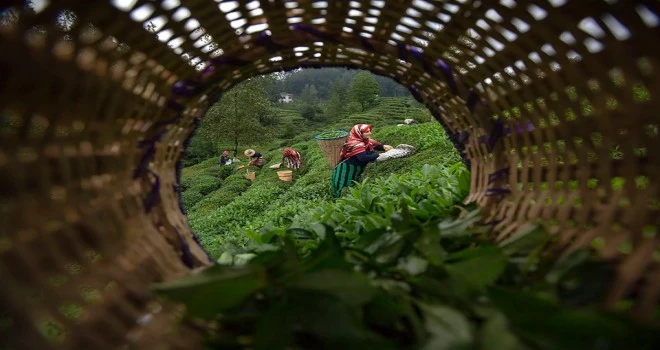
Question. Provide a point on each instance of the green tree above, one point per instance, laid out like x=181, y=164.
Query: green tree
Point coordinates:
x=238, y=116
x=310, y=95
x=336, y=106
x=364, y=89
x=309, y=108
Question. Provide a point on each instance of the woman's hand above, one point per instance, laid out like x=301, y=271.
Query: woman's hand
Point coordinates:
x=387, y=147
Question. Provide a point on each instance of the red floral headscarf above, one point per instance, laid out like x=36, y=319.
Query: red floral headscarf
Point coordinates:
x=291, y=154
x=356, y=143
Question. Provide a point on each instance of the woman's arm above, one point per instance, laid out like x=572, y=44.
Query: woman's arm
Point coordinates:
x=366, y=157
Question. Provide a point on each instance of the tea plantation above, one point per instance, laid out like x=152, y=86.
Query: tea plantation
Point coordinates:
x=398, y=262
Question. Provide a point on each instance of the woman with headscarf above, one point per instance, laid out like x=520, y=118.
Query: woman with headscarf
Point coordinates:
x=357, y=152
x=224, y=158
x=292, y=158
x=256, y=158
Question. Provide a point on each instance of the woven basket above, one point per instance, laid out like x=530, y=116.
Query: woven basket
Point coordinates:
x=548, y=102
x=331, y=148
x=285, y=175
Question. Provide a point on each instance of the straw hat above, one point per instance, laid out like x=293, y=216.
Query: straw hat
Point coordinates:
x=249, y=152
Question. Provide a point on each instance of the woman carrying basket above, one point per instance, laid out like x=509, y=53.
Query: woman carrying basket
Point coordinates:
x=357, y=152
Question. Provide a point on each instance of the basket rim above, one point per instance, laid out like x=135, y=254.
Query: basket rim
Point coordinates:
x=344, y=134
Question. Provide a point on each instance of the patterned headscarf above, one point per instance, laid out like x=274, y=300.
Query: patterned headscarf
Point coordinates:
x=225, y=153
x=291, y=154
x=356, y=143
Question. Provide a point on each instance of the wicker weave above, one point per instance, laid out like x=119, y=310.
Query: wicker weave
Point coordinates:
x=331, y=149
x=549, y=100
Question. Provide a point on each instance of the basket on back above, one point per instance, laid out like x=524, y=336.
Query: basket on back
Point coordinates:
x=331, y=144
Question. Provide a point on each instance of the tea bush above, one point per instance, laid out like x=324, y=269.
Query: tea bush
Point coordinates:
x=397, y=264
x=205, y=184
x=191, y=197
x=221, y=172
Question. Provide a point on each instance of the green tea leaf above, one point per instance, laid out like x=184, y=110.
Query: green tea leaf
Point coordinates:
x=528, y=238
x=390, y=250
x=274, y=329
x=459, y=227
x=449, y=329
x=226, y=259
x=496, y=335
x=479, y=267
x=549, y=326
x=351, y=287
x=330, y=323
x=215, y=289
x=329, y=255
x=242, y=259
x=413, y=265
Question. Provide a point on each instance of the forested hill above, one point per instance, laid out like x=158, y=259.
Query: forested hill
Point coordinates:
x=323, y=80
x=252, y=114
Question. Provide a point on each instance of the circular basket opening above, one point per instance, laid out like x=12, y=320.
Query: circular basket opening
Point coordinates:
x=331, y=135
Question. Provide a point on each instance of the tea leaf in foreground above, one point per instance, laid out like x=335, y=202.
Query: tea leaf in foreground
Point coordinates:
x=449, y=329
x=479, y=267
x=215, y=289
x=351, y=287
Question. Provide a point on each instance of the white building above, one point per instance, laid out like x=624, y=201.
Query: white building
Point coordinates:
x=286, y=97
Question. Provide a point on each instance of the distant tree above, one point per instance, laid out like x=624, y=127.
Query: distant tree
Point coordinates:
x=390, y=88
x=353, y=107
x=272, y=86
x=311, y=112
x=238, y=116
x=336, y=106
x=310, y=95
x=199, y=150
x=296, y=80
x=364, y=89
x=309, y=104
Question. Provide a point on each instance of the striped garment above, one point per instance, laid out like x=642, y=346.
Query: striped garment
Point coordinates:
x=293, y=163
x=292, y=158
x=344, y=175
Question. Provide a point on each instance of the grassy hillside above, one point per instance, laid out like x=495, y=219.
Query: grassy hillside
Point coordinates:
x=387, y=111
x=390, y=111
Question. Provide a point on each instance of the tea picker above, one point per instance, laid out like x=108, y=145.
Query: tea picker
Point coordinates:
x=356, y=153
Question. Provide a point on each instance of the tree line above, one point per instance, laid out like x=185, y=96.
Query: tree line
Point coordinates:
x=323, y=80
x=250, y=110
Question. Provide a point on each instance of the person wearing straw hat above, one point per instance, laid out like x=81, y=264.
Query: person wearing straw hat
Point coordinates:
x=256, y=158
x=356, y=154
x=292, y=157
